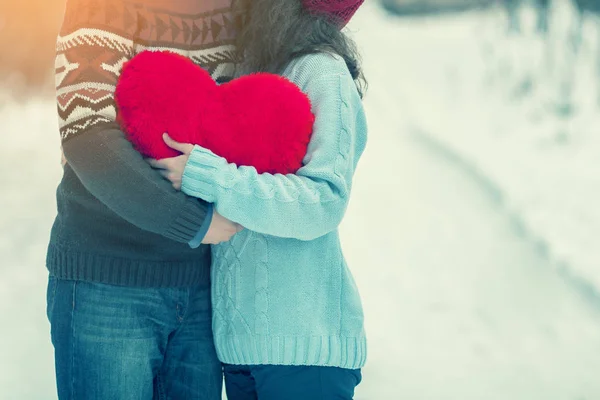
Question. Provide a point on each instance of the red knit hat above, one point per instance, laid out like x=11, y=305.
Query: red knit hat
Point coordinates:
x=340, y=10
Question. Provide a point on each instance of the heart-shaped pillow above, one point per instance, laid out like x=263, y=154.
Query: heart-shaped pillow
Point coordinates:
x=260, y=120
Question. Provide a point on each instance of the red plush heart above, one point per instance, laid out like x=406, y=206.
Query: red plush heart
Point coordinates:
x=260, y=120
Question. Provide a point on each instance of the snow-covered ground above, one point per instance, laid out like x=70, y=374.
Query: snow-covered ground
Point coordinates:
x=503, y=107
x=470, y=231
x=29, y=173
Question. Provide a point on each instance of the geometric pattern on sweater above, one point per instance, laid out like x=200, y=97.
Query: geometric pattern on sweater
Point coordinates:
x=99, y=36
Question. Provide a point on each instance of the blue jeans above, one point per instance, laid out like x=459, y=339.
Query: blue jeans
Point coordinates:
x=277, y=382
x=126, y=343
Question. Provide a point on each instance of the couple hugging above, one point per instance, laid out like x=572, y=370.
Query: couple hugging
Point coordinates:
x=167, y=275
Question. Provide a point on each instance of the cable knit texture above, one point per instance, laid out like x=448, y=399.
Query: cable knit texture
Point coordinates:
x=282, y=292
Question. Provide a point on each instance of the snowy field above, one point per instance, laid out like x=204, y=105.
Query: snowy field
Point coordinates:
x=529, y=128
x=471, y=230
x=518, y=113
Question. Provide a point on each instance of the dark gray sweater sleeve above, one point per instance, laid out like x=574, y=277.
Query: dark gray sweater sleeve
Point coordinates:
x=116, y=174
x=90, y=52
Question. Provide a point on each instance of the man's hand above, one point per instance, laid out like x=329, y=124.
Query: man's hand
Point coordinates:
x=172, y=168
x=221, y=229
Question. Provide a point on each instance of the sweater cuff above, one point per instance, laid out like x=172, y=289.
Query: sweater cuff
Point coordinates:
x=197, y=240
x=186, y=226
x=200, y=174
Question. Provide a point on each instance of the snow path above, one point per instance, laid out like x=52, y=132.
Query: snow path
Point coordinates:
x=492, y=103
x=458, y=304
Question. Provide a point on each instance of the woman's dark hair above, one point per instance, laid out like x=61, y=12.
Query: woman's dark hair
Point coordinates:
x=272, y=33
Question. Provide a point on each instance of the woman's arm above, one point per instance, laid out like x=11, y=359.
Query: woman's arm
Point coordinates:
x=304, y=206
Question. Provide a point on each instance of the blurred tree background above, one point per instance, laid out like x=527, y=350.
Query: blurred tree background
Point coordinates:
x=429, y=7
x=28, y=32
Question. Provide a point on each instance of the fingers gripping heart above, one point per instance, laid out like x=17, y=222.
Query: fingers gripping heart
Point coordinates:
x=260, y=120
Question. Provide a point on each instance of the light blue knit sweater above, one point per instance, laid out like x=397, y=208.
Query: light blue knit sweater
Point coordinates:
x=282, y=292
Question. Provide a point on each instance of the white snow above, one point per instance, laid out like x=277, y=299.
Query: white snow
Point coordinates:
x=474, y=102
x=29, y=175
x=470, y=232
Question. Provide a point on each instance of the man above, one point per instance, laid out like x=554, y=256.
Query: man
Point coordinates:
x=128, y=294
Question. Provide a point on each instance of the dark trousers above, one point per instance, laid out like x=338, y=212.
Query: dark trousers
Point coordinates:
x=276, y=382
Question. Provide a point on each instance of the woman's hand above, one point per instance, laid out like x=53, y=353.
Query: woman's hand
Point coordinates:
x=172, y=168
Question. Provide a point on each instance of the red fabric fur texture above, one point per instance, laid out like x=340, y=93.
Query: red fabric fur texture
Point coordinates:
x=260, y=120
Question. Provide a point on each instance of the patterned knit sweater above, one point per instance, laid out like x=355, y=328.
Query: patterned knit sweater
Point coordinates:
x=114, y=211
x=282, y=292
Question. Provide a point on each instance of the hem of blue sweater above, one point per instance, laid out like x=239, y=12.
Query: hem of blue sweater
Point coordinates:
x=325, y=351
x=88, y=267
x=197, y=240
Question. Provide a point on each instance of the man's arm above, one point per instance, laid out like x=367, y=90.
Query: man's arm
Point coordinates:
x=117, y=175
x=91, y=49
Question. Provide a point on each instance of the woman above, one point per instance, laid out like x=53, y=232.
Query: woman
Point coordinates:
x=287, y=317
